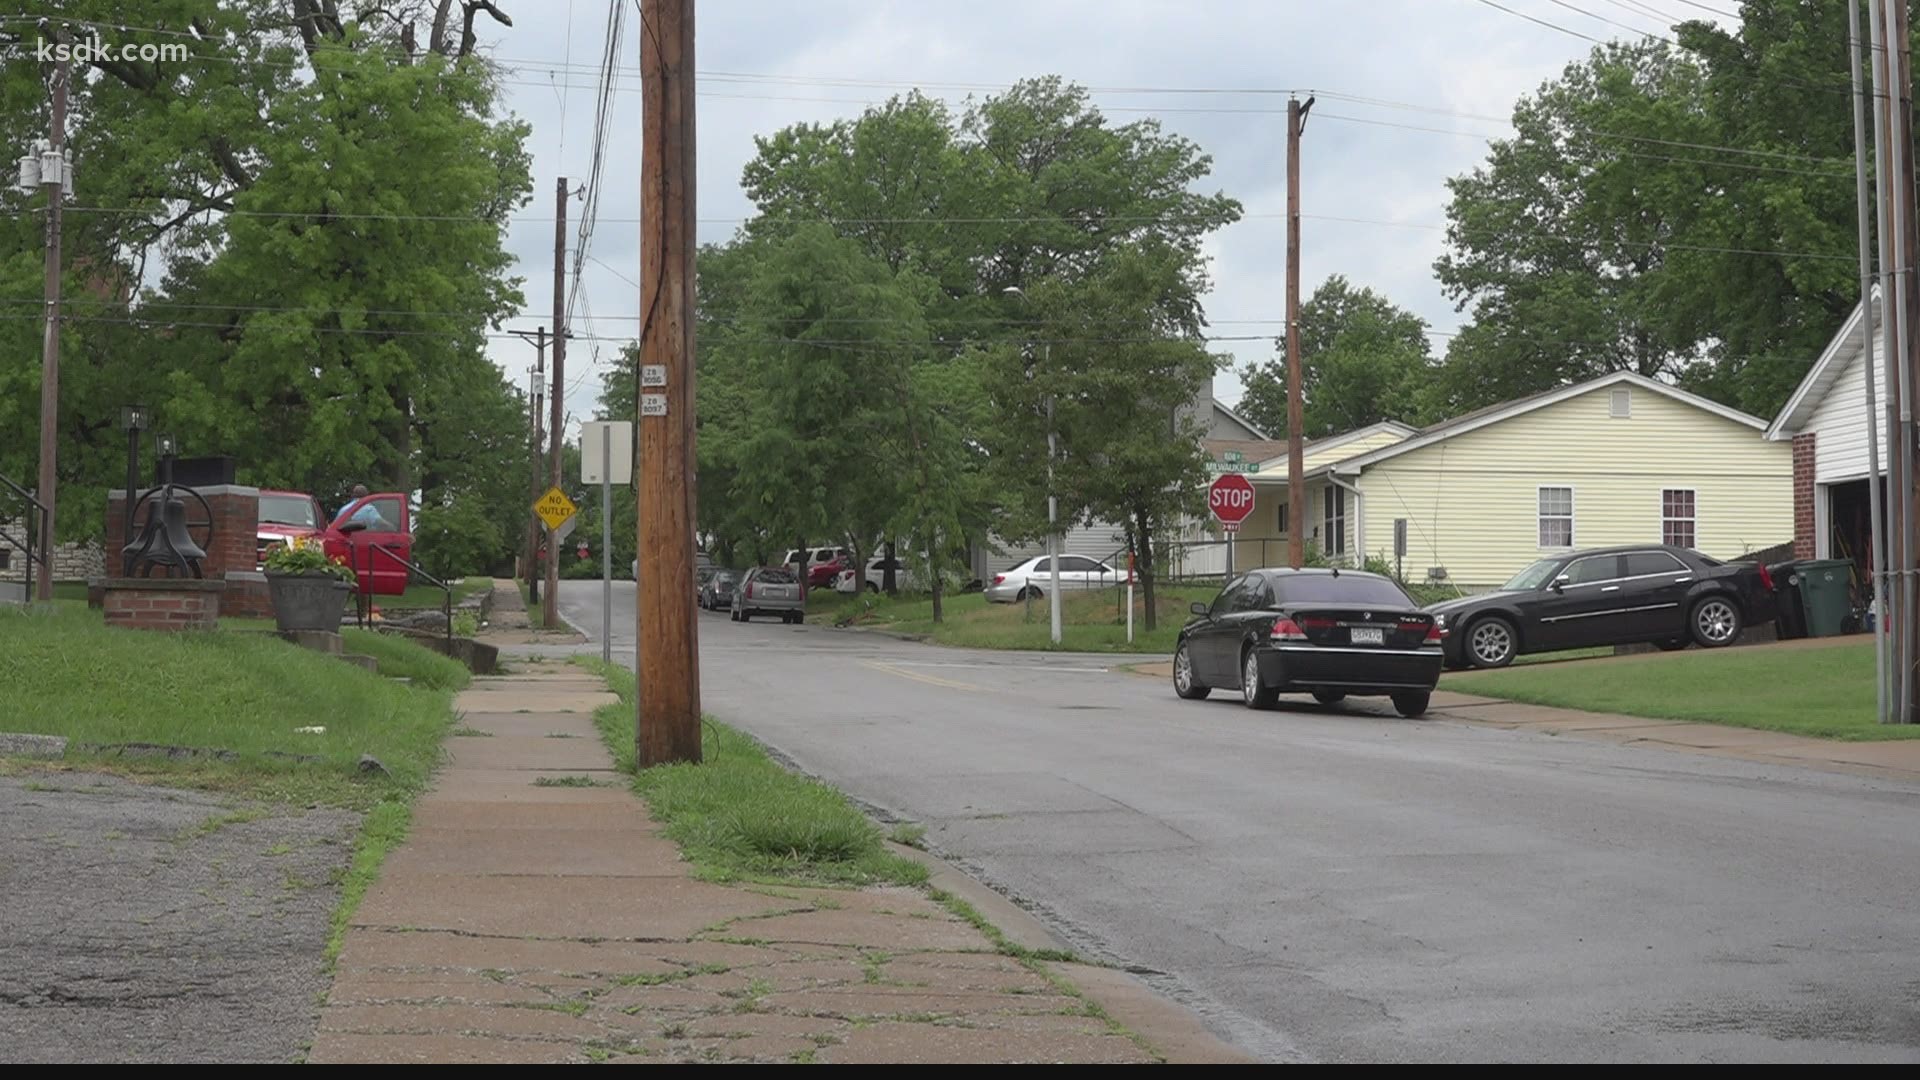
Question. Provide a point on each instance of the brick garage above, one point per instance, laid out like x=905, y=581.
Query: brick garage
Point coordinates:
x=1805, y=516
x=165, y=604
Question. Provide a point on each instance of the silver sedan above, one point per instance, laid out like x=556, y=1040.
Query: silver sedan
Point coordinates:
x=1035, y=578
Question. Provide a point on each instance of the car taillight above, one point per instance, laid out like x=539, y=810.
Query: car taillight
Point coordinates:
x=999, y=578
x=1434, y=633
x=1285, y=629
x=1766, y=578
x=749, y=590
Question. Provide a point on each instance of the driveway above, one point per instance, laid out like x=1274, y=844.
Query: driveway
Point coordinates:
x=1346, y=886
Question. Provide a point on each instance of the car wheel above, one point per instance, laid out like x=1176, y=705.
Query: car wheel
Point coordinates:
x=1490, y=643
x=1412, y=704
x=1185, y=683
x=1329, y=697
x=1715, y=622
x=1672, y=644
x=745, y=617
x=1028, y=593
x=1256, y=695
x=872, y=588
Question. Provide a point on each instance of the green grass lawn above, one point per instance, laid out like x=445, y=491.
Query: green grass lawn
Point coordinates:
x=430, y=597
x=1092, y=621
x=63, y=672
x=1822, y=691
x=403, y=659
x=740, y=815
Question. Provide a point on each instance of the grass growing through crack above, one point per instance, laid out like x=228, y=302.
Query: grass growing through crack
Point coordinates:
x=739, y=814
x=1000, y=940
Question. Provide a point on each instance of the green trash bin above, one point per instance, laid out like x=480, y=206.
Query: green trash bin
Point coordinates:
x=1826, y=591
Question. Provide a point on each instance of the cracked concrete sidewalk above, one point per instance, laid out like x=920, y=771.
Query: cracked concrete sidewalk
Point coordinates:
x=532, y=916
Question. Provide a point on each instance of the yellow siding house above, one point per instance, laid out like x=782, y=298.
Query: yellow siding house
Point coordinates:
x=1620, y=459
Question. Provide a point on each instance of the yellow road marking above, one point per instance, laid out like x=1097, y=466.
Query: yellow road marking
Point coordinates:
x=930, y=680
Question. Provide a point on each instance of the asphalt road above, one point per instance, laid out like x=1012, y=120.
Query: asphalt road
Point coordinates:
x=1340, y=886
x=154, y=925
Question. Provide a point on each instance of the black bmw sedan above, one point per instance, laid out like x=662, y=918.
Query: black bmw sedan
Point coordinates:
x=1668, y=596
x=1330, y=633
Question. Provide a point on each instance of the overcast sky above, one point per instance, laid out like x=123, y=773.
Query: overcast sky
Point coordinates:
x=1454, y=66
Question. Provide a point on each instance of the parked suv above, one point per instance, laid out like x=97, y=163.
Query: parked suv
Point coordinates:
x=823, y=564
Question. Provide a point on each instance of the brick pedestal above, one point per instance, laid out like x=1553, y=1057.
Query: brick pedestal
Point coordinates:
x=231, y=549
x=169, y=604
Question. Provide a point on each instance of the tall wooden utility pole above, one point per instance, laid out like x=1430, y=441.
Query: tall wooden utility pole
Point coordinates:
x=1857, y=53
x=557, y=393
x=536, y=400
x=1296, y=481
x=668, y=647
x=1893, y=603
x=54, y=183
x=1906, y=219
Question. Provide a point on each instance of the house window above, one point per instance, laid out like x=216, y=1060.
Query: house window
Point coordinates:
x=1334, y=530
x=1677, y=519
x=1282, y=520
x=1620, y=405
x=1556, y=517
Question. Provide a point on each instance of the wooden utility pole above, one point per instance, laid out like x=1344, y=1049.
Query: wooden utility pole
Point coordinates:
x=54, y=184
x=1906, y=218
x=1296, y=481
x=536, y=400
x=668, y=648
x=557, y=393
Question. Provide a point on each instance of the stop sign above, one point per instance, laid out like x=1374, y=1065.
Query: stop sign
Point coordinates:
x=1231, y=499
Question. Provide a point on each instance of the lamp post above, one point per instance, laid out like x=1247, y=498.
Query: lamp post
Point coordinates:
x=1053, y=501
x=134, y=419
x=165, y=446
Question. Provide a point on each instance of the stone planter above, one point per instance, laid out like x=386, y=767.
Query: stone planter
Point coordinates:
x=308, y=601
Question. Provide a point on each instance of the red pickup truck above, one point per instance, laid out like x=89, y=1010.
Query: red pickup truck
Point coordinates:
x=357, y=532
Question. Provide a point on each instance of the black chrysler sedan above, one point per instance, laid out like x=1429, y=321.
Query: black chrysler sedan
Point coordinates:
x=1668, y=596
x=1330, y=633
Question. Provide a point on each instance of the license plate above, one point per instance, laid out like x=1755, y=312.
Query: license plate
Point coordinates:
x=1368, y=635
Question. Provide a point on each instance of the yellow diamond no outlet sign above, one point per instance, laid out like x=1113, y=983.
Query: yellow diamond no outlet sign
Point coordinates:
x=555, y=508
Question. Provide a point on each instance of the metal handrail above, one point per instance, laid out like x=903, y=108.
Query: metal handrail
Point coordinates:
x=362, y=611
x=36, y=515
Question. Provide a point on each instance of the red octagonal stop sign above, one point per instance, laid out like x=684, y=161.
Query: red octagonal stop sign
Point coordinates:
x=1230, y=498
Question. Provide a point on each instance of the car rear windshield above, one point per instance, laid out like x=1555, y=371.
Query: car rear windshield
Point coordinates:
x=775, y=576
x=1347, y=589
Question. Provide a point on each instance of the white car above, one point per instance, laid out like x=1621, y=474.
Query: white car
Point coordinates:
x=877, y=577
x=1035, y=577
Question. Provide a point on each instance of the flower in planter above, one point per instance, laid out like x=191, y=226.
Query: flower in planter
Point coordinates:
x=304, y=556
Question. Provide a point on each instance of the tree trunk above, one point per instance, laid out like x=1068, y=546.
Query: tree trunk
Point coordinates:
x=933, y=573
x=889, y=580
x=1143, y=561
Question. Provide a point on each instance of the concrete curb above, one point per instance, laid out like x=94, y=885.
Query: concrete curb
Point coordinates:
x=1170, y=1029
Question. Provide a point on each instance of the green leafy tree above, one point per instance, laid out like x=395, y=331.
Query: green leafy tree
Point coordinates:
x=1685, y=212
x=302, y=251
x=1362, y=360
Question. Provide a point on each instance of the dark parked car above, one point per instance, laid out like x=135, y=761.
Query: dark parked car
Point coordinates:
x=1324, y=632
x=1668, y=596
x=716, y=592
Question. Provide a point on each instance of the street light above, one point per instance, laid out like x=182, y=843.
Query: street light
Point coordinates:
x=1053, y=502
x=134, y=419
